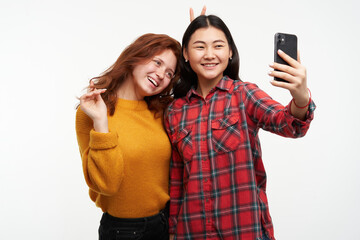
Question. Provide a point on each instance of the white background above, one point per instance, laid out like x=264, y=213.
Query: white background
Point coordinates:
x=50, y=49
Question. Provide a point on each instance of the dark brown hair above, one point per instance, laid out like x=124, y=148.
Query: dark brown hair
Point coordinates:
x=140, y=51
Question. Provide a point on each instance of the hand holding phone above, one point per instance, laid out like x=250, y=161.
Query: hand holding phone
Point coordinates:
x=289, y=73
x=288, y=44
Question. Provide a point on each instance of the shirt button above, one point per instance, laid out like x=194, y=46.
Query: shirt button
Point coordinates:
x=208, y=220
x=207, y=200
x=203, y=139
x=205, y=180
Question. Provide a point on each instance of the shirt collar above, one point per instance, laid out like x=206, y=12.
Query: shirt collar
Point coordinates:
x=224, y=84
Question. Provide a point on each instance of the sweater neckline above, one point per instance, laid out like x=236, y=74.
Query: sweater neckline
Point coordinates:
x=138, y=105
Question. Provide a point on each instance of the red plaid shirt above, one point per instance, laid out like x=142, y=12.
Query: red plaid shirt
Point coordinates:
x=217, y=177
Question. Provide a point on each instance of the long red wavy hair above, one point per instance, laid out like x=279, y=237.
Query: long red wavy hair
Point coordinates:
x=140, y=51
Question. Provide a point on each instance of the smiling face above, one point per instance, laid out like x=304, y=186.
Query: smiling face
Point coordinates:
x=150, y=78
x=208, y=53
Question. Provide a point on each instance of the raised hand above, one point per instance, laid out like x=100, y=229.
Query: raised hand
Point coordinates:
x=295, y=75
x=94, y=106
x=203, y=11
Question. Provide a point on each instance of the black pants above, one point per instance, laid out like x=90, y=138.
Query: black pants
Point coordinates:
x=148, y=228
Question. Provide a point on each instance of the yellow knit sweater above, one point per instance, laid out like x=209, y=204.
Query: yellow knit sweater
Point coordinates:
x=127, y=169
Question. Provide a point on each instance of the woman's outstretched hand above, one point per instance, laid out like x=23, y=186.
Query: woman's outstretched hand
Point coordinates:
x=94, y=106
x=295, y=75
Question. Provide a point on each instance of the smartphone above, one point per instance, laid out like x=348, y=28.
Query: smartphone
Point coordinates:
x=288, y=44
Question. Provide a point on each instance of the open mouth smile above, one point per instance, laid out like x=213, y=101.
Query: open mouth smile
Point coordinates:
x=153, y=81
x=209, y=64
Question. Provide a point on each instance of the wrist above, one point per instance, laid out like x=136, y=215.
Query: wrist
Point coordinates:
x=101, y=126
x=303, y=102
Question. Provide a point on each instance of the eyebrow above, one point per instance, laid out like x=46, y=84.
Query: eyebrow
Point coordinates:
x=216, y=41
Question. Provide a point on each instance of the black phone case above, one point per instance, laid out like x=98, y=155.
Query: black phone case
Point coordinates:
x=288, y=44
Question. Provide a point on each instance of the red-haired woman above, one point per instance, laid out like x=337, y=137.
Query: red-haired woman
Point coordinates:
x=124, y=148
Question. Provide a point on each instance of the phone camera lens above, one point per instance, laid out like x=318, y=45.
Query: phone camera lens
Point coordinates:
x=282, y=39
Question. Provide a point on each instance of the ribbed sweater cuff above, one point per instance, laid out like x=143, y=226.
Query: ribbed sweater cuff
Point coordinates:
x=101, y=141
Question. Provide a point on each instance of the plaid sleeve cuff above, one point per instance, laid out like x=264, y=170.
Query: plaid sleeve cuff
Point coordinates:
x=300, y=127
x=309, y=115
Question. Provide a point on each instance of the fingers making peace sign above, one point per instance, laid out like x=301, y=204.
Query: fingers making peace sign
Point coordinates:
x=203, y=11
